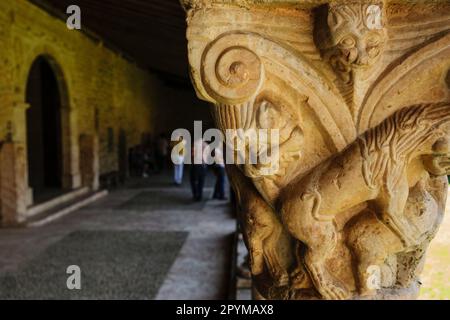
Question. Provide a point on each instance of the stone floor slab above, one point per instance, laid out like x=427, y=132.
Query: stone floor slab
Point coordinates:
x=113, y=264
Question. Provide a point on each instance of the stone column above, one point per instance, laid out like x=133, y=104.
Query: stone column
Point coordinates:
x=16, y=195
x=71, y=178
x=89, y=161
x=358, y=94
x=14, y=190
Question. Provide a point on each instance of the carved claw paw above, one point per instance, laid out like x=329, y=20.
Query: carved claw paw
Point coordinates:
x=300, y=279
x=281, y=279
x=407, y=238
x=256, y=262
x=330, y=288
x=333, y=291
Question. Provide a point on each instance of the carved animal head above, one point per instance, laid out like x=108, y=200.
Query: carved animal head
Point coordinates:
x=410, y=133
x=279, y=124
x=269, y=117
x=356, y=37
x=438, y=163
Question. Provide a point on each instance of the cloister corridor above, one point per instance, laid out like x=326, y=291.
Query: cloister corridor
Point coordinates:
x=147, y=240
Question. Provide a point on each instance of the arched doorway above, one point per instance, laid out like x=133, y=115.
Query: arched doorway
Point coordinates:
x=44, y=131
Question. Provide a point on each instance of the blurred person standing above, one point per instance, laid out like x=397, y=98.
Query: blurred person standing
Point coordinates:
x=178, y=161
x=219, y=171
x=198, y=169
x=162, y=150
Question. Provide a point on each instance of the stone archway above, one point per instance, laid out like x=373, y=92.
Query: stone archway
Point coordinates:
x=48, y=130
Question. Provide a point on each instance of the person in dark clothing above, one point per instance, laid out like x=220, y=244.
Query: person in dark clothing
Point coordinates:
x=138, y=161
x=219, y=188
x=161, y=151
x=219, y=170
x=197, y=171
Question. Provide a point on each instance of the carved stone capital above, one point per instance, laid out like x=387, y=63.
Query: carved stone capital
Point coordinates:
x=359, y=93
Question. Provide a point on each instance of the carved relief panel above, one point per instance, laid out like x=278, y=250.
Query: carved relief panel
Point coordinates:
x=358, y=94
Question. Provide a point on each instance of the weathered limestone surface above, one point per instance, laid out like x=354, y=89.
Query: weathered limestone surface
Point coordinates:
x=359, y=91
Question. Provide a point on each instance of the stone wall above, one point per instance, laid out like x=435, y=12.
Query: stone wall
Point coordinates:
x=91, y=73
x=103, y=95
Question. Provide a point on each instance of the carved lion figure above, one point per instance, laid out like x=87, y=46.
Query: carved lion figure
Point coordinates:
x=264, y=234
x=373, y=243
x=373, y=171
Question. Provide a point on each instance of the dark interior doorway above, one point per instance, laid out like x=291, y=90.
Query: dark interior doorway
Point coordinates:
x=44, y=132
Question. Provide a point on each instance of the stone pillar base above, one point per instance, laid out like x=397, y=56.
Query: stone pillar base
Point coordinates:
x=14, y=190
x=89, y=161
